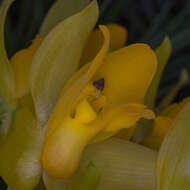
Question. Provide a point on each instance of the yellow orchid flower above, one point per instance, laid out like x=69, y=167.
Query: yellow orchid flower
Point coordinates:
x=89, y=106
x=64, y=97
x=108, y=92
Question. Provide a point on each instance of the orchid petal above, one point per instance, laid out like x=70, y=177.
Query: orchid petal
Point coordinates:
x=58, y=57
x=173, y=159
x=128, y=73
x=61, y=10
x=118, y=36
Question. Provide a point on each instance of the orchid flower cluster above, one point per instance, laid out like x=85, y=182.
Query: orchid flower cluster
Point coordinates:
x=78, y=109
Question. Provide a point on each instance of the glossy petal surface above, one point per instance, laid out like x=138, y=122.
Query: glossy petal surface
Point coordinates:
x=128, y=73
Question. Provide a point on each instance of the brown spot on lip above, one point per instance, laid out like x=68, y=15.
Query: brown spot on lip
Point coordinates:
x=99, y=84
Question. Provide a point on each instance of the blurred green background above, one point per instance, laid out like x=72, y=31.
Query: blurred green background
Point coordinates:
x=146, y=20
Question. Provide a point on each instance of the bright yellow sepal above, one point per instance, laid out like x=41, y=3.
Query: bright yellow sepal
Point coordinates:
x=21, y=63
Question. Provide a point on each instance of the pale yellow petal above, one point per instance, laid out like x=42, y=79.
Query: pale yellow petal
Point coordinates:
x=61, y=10
x=58, y=57
x=173, y=159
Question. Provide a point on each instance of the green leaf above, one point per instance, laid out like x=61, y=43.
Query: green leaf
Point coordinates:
x=7, y=88
x=60, y=10
x=163, y=53
x=20, y=152
x=173, y=172
x=58, y=58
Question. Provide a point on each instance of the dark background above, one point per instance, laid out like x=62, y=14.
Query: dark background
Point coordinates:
x=146, y=20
